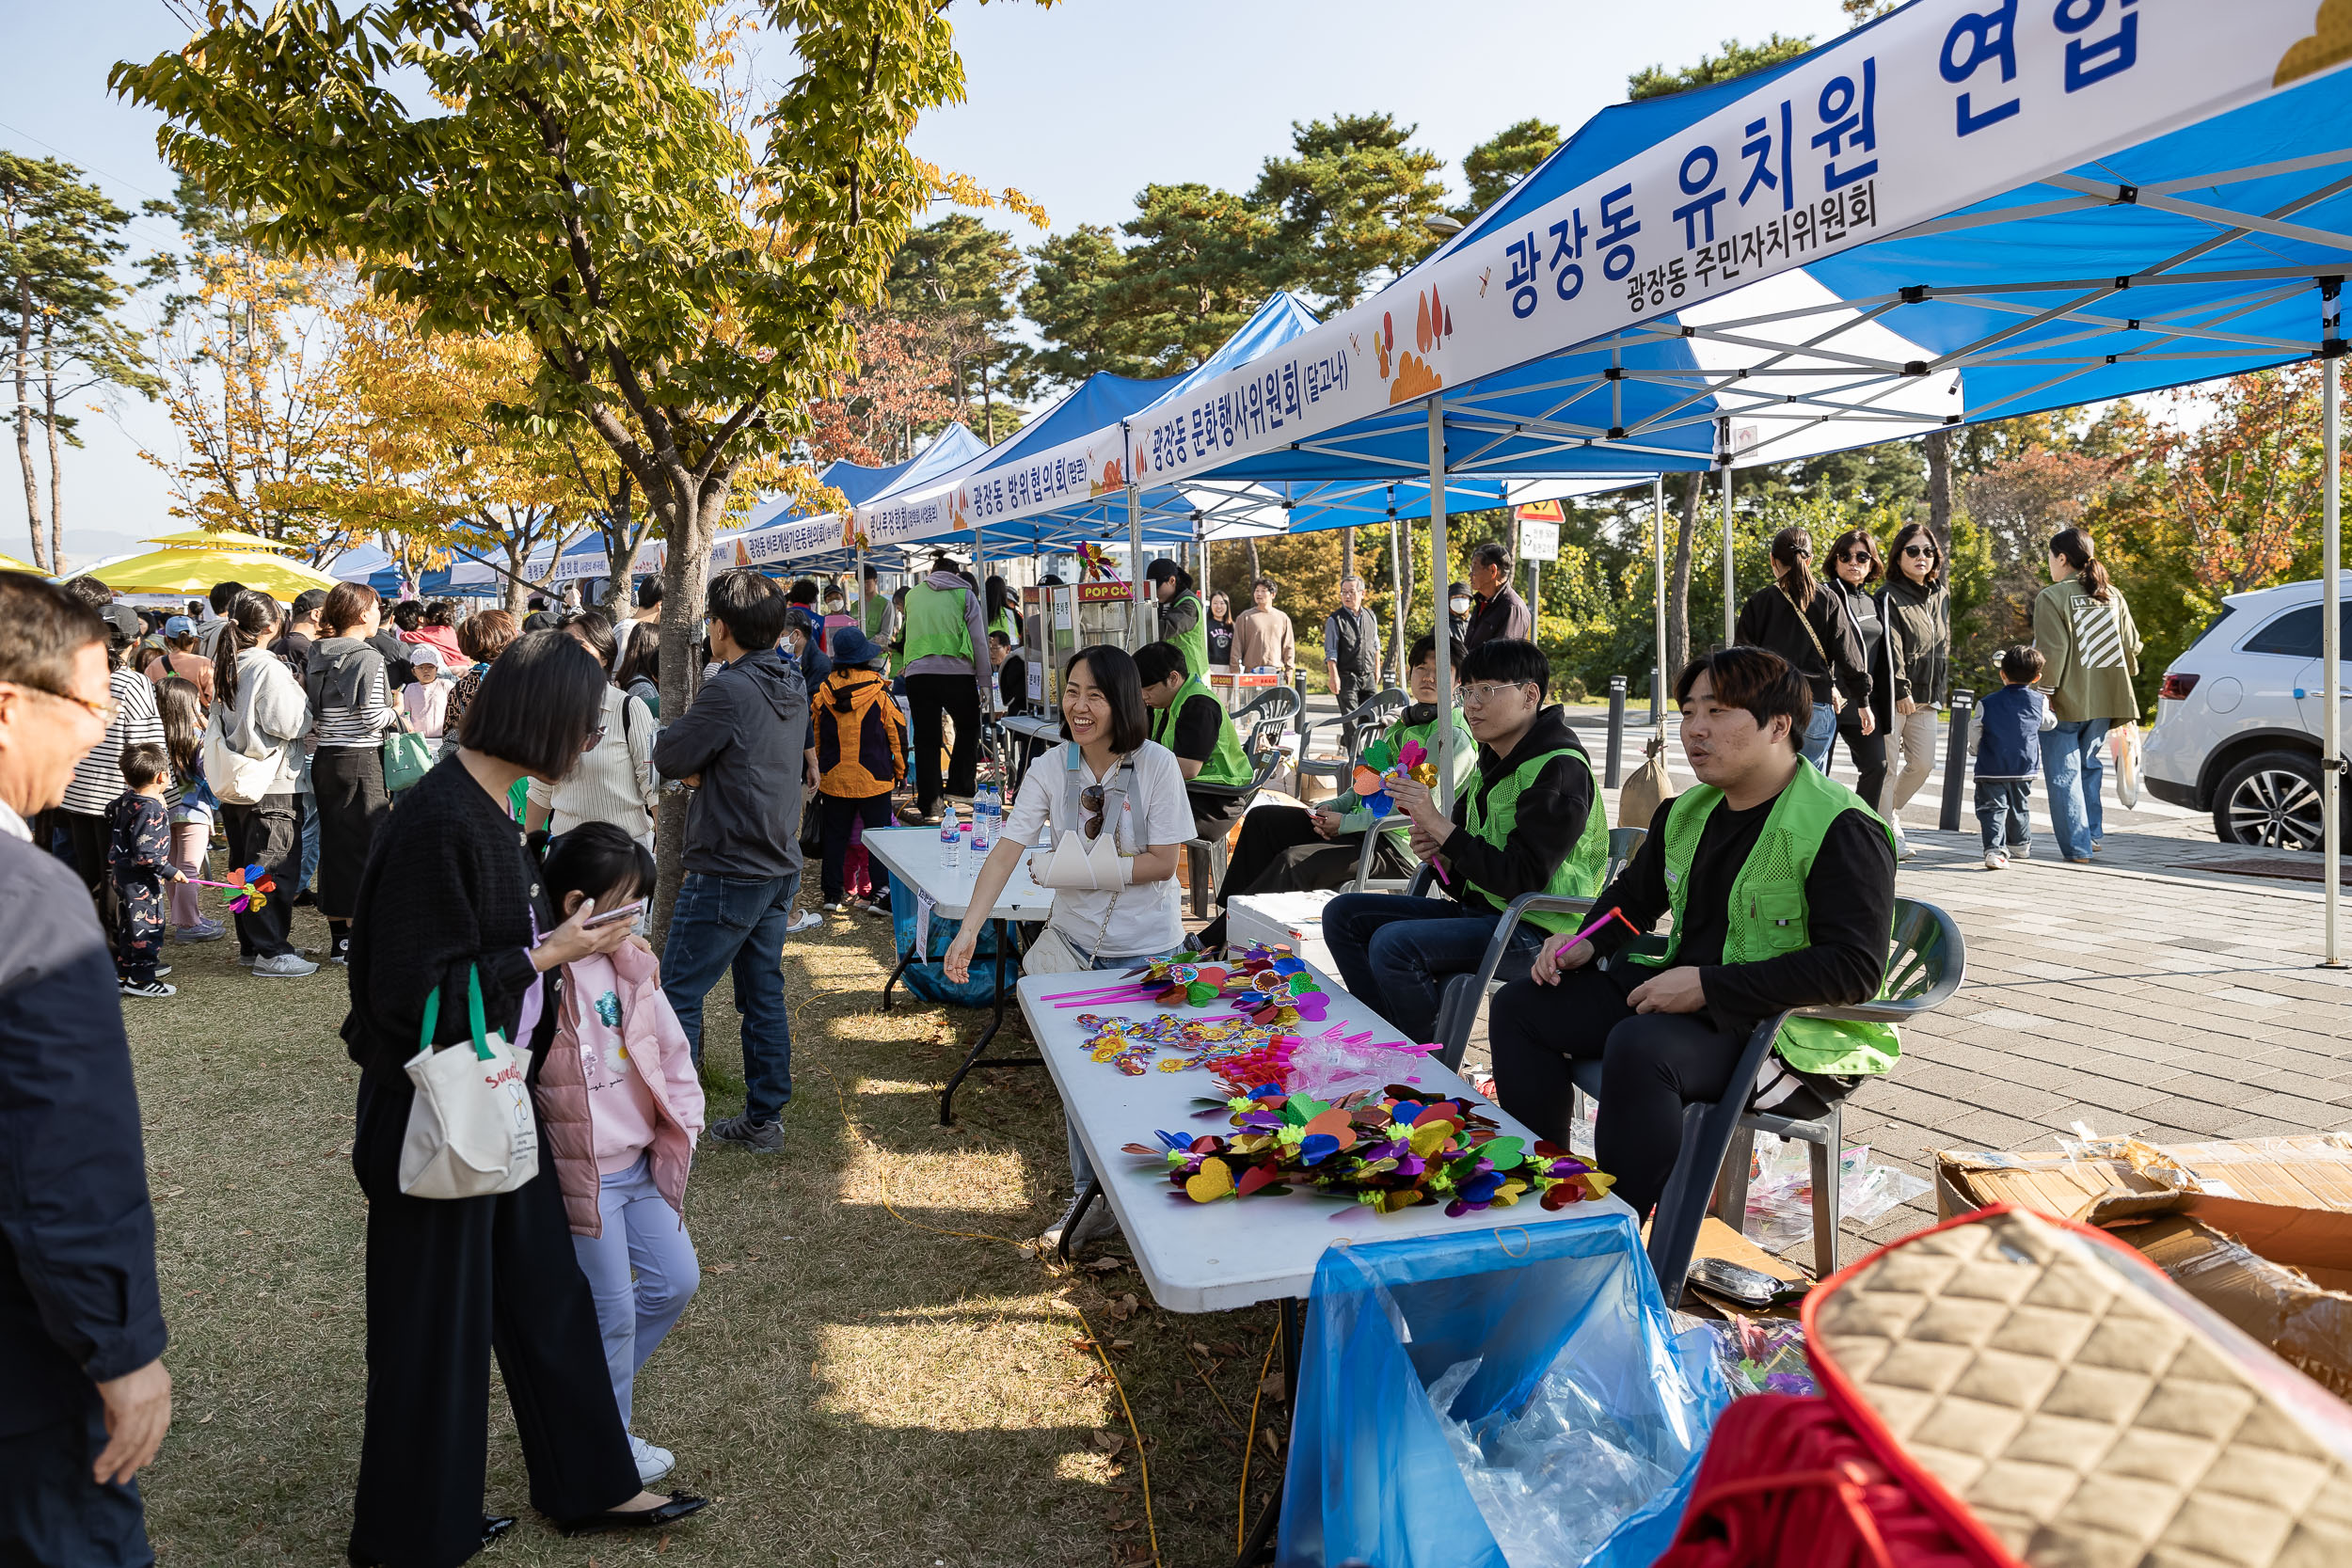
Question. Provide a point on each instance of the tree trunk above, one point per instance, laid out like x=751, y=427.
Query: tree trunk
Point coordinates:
x=620, y=548
x=49, y=418
x=1405, y=595
x=1254, y=572
x=1678, y=579
x=687, y=517
x=25, y=423
x=517, y=594
x=1939, y=450
x=1347, y=552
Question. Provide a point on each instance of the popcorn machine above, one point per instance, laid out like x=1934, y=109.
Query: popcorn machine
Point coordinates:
x=1060, y=619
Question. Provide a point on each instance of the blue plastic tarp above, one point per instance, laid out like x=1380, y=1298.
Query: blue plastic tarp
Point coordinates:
x=1370, y=1477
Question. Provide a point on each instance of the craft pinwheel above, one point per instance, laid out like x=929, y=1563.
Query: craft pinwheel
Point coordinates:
x=1390, y=1150
x=249, y=887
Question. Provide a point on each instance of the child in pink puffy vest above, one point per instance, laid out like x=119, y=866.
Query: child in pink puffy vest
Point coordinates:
x=623, y=1107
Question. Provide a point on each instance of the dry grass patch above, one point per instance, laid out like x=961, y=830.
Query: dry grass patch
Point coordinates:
x=853, y=1386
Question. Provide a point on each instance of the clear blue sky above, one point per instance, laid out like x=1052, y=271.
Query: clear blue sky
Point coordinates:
x=1081, y=106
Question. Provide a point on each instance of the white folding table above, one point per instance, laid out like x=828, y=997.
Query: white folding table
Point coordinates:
x=914, y=854
x=1216, y=1256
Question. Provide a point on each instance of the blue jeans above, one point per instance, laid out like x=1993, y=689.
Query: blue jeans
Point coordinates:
x=722, y=923
x=2005, y=815
x=1081, y=1169
x=641, y=1232
x=307, y=806
x=1396, y=954
x=1820, y=736
x=2073, y=765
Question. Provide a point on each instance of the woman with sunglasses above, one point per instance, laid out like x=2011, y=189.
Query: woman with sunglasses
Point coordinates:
x=1854, y=570
x=1916, y=607
x=1799, y=618
x=1104, y=811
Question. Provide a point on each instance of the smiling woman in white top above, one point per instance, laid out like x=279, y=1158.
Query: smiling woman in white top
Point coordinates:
x=1104, y=811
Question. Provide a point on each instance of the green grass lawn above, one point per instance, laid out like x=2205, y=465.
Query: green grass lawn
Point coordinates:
x=851, y=1385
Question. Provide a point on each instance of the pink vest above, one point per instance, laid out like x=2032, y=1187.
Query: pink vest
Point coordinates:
x=657, y=1050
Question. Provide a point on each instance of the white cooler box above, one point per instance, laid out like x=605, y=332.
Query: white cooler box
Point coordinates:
x=1293, y=920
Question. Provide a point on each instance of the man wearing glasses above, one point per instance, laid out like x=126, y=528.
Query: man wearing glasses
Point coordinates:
x=85, y=1400
x=1526, y=822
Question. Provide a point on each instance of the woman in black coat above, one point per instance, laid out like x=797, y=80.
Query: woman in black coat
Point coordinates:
x=452, y=889
x=1801, y=619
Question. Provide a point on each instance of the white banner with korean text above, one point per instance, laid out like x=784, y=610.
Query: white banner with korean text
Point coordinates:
x=1943, y=105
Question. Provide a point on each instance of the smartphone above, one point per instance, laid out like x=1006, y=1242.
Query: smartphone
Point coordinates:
x=606, y=917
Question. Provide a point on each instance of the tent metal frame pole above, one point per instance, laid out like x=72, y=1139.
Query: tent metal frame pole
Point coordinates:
x=2331, y=625
x=1397, y=672
x=1438, y=578
x=1658, y=582
x=1731, y=598
x=1135, y=533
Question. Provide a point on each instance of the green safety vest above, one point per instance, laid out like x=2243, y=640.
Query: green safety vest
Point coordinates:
x=935, y=624
x=1009, y=625
x=874, y=614
x=1195, y=642
x=1767, y=914
x=1227, y=764
x=1493, y=809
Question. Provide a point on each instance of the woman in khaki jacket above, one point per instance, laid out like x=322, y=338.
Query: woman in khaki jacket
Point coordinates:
x=2090, y=651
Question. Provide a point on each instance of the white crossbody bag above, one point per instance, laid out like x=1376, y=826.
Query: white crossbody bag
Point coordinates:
x=471, y=1132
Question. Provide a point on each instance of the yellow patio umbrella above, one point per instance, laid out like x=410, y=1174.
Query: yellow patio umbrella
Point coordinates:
x=217, y=539
x=11, y=564
x=181, y=570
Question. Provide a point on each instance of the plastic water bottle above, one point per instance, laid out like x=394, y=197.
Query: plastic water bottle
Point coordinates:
x=983, y=823
x=950, y=840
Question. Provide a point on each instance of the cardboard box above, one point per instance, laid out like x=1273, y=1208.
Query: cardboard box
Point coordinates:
x=2260, y=1231
x=2284, y=1275
x=2099, y=1179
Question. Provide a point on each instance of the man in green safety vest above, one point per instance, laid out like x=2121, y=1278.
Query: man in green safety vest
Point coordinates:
x=947, y=671
x=873, y=612
x=1187, y=719
x=1528, y=821
x=1781, y=884
x=1182, y=621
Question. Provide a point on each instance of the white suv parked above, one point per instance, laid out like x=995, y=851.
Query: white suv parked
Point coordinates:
x=2239, y=717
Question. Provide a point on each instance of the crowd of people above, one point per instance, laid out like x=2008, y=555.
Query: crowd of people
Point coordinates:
x=497, y=893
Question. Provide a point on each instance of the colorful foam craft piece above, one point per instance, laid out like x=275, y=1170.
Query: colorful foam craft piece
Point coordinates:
x=1390, y=1150
x=249, y=887
x=1384, y=765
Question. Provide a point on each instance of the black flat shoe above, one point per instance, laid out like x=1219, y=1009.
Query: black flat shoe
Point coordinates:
x=678, y=1507
x=493, y=1526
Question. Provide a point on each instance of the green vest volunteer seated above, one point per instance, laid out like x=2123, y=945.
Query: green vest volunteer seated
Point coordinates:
x=1187, y=719
x=1291, y=849
x=1781, y=882
x=1526, y=823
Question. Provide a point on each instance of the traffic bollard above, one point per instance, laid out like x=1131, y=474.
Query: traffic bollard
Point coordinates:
x=1956, y=757
x=1617, y=732
x=1657, y=699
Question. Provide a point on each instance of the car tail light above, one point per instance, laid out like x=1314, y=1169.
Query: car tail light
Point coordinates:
x=2177, y=685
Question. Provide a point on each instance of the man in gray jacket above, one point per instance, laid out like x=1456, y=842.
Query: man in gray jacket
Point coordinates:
x=739, y=745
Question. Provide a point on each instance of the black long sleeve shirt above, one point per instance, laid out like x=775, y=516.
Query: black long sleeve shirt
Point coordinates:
x=1551, y=818
x=1849, y=911
x=1769, y=619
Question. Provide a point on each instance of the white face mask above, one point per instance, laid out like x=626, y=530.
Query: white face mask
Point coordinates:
x=1459, y=604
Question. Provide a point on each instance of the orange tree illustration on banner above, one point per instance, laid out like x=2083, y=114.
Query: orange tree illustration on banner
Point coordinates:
x=574, y=175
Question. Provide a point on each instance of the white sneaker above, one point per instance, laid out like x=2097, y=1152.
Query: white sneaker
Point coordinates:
x=285, y=966
x=1995, y=860
x=803, y=921
x=652, y=1462
x=1099, y=1222
x=1904, y=848
x=2020, y=851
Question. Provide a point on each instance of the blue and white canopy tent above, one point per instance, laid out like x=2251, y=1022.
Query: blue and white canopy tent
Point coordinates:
x=1952, y=214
